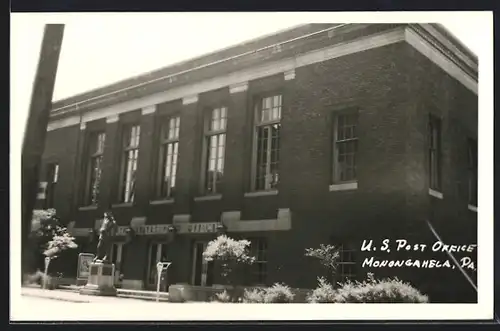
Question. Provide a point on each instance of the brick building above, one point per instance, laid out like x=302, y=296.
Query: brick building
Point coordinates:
x=324, y=133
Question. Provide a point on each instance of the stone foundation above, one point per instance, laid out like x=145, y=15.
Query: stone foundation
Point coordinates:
x=101, y=280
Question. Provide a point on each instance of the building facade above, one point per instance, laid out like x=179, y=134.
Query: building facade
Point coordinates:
x=325, y=133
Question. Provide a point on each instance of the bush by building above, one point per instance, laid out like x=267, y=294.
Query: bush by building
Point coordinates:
x=369, y=291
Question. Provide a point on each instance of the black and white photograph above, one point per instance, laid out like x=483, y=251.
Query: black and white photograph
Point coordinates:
x=181, y=166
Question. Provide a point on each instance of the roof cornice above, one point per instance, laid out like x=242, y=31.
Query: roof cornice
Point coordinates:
x=336, y=40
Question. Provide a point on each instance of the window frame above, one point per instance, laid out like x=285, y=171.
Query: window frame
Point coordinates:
x=434, y=152
x=163, y=144
x=52, y=180
x=90, y=157
x=126, y=134
x=343, y=249
x=472, y=172
x=208, y=133
x=257, y=124
x=255, y=270
x=335, y=165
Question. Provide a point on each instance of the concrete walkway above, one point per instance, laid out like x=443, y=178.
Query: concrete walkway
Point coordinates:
x=75, y=297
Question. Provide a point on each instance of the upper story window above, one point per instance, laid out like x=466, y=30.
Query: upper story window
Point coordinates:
x=52, y=178
x=345, y=147
x=94, y=167
x=130, y=153
x=472, y=171
x=434, y=143
x=169, y=152
x=267, y=131
x=215, y=145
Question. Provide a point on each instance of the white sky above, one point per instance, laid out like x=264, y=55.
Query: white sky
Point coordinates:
x=99, y=49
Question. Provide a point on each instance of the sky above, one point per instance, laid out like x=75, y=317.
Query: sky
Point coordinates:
x=101, y=49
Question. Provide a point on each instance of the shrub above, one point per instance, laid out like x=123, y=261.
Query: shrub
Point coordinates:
x=278, y=293
x=222, y=297
x=379, y=291
x=38, y=278
x=324, y=293
x=256, y=295
x=368, y=291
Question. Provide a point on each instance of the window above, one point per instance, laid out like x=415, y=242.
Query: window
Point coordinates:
x=345, y=147
x=268, y=116
x=157, y=253
x=347, y=263
x=129, y=162
x=94, y=171
x=258, y=249
x=215, y=144
x=434, y=153
x=169, y=151
x=52, y=177
x=472, y=169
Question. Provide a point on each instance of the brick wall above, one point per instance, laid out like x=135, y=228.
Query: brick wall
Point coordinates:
x=392, y=87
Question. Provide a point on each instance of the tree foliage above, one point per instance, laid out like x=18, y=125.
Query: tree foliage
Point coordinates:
x=50, y=236
x=328, y=256
x=229, y=253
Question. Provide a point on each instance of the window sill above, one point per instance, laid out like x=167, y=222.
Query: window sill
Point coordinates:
x=123, y=204
x=260, y=193
x=208, y=197
x=344, y=186
x=435, y=194
x=92, y=207
x=472, y=208
x=161, y=202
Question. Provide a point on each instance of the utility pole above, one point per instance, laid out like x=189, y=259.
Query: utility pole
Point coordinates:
x=36, y=128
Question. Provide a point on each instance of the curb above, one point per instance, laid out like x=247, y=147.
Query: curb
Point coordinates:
x=53, y=298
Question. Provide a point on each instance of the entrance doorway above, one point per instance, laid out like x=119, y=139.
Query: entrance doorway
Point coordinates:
x=202, y=271
x=116, y=257
x=157, y=253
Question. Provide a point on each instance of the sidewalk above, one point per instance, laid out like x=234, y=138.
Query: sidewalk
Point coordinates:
x=71, y=295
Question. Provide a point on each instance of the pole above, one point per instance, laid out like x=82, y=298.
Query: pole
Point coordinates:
x=471, y=282
x=47, y=262
x=159, y=269
x=36, y=127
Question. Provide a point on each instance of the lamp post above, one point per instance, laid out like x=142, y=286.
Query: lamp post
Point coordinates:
x=159, y=268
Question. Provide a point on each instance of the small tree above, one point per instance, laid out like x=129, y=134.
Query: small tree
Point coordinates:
x=230, y=254
x=49, y=236
x=59, y=243
x=328, y=256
